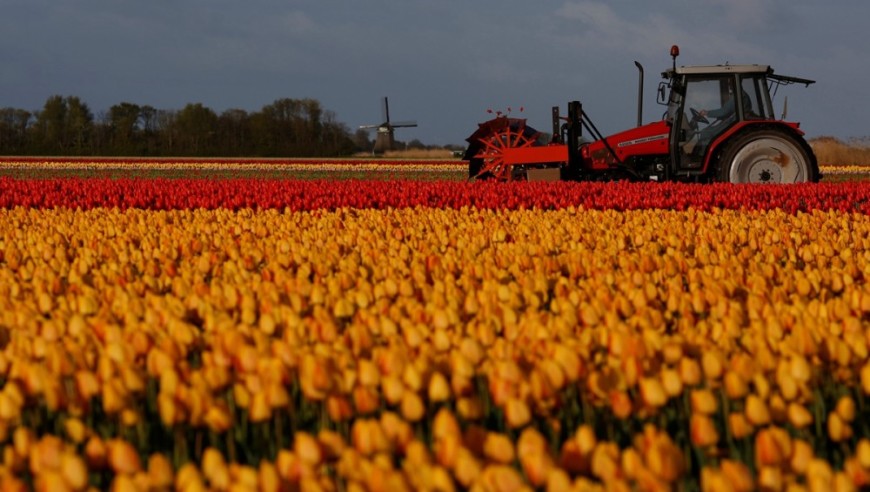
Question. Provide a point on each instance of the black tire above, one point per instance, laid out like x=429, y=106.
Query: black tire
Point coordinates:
x=474, y=166
x=769, y=155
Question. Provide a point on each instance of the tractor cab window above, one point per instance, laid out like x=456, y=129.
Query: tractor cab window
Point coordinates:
x=709, y=109
x=674, y=101
x=755, y=101
x=753, y=93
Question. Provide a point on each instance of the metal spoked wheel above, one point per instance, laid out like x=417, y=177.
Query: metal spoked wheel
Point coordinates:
x=489, y=144
x=770, y=156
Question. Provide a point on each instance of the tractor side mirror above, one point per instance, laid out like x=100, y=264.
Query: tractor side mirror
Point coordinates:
x=661, y=93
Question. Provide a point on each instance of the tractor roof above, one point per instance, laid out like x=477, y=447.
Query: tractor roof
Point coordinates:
x=730, y=69
x=720, y=69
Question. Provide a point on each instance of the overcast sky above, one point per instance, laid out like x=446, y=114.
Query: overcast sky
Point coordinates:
x=442, y=63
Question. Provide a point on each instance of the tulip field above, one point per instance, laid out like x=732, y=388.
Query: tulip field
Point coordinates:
x=197, y=331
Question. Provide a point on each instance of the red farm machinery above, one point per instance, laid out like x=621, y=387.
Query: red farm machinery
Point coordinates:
x=719, y=126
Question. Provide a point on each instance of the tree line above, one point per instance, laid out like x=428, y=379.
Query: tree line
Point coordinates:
x=284, y=128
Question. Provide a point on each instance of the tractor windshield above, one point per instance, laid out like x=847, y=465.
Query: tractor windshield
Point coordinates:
x=709, y=108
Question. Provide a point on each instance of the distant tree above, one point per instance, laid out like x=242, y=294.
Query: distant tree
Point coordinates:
x=286, y=127
x=124, y=120
x=416, y=145
x=64, y=126
x=13, y=130
x=49, y=126
x=79, y=127
x=234, y=132
x=361, y=141
x=196, y=126
x=335, y=139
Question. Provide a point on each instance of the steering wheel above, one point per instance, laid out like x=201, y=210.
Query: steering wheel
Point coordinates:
x=696, y=116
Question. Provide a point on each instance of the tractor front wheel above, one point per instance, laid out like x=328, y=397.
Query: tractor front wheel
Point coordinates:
x=768, y=156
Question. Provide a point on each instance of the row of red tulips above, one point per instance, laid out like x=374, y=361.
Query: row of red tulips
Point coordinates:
x=163, y=194
x=245, y=161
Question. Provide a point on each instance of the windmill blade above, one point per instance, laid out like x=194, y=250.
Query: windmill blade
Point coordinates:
x=404, y=124
x=368, y=127
x=385, y=111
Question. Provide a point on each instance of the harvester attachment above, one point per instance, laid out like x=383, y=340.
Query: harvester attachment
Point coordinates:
x=487, y=145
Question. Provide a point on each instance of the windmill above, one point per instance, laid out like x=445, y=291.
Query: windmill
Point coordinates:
x=385, y=139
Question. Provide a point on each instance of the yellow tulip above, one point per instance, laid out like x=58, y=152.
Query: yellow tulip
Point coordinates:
x=122, y=457
x=160, y=473
x=703, y=430
x=739, y=425
x=838, y=429
x=703, y=402
x=652, y=392
x=757, y=412
x=799, y=416
x=845, y=408
x=498, y=448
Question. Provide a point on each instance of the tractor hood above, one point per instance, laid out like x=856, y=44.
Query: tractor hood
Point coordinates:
x=650, y=139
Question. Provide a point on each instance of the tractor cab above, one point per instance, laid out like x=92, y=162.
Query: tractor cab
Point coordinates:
x=705, y=102
x=708, y=105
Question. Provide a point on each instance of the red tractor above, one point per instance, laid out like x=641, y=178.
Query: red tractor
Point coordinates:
x=719, y=126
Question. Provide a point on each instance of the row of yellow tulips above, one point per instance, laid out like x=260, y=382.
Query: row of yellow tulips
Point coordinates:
x=468, y=348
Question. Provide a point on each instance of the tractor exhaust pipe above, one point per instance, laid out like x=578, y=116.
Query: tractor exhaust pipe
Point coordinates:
x=639, y=93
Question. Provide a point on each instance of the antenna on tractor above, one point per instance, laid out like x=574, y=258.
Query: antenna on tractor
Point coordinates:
x=784, y=108
x=385, y=139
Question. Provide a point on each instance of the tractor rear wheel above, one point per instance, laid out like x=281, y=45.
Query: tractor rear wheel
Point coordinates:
x=768, y=156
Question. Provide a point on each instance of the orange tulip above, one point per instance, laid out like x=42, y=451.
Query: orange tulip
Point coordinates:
x=259, y=409
x=712, y=364
x=339, y=408
x=466, y=469
x=365, y=400
x=75, y=430
x=620, y=404
x=738, y=475
x=412, y=407
x=439, y=389
x=799, y=416
x=862, y=453
x=517, y=413
x=571, y=459
x=45, y=455
x=703, y=402
x=690, y=372
x=672, y=382
x=770, y=478
x=498, y=448
x=392, y=389
x=703, y=430
x=469, y=408
x=652, y=393
x=735, y=385
x=307, y=448
x=739, y=425
x=838, y=429
x=846, y=408
x=268, y=478
x=768, y=451
x=122, y=457
x=605, y=461
x=756, y=411
x=664, y=459
x=160, y=473
x=74, y=471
